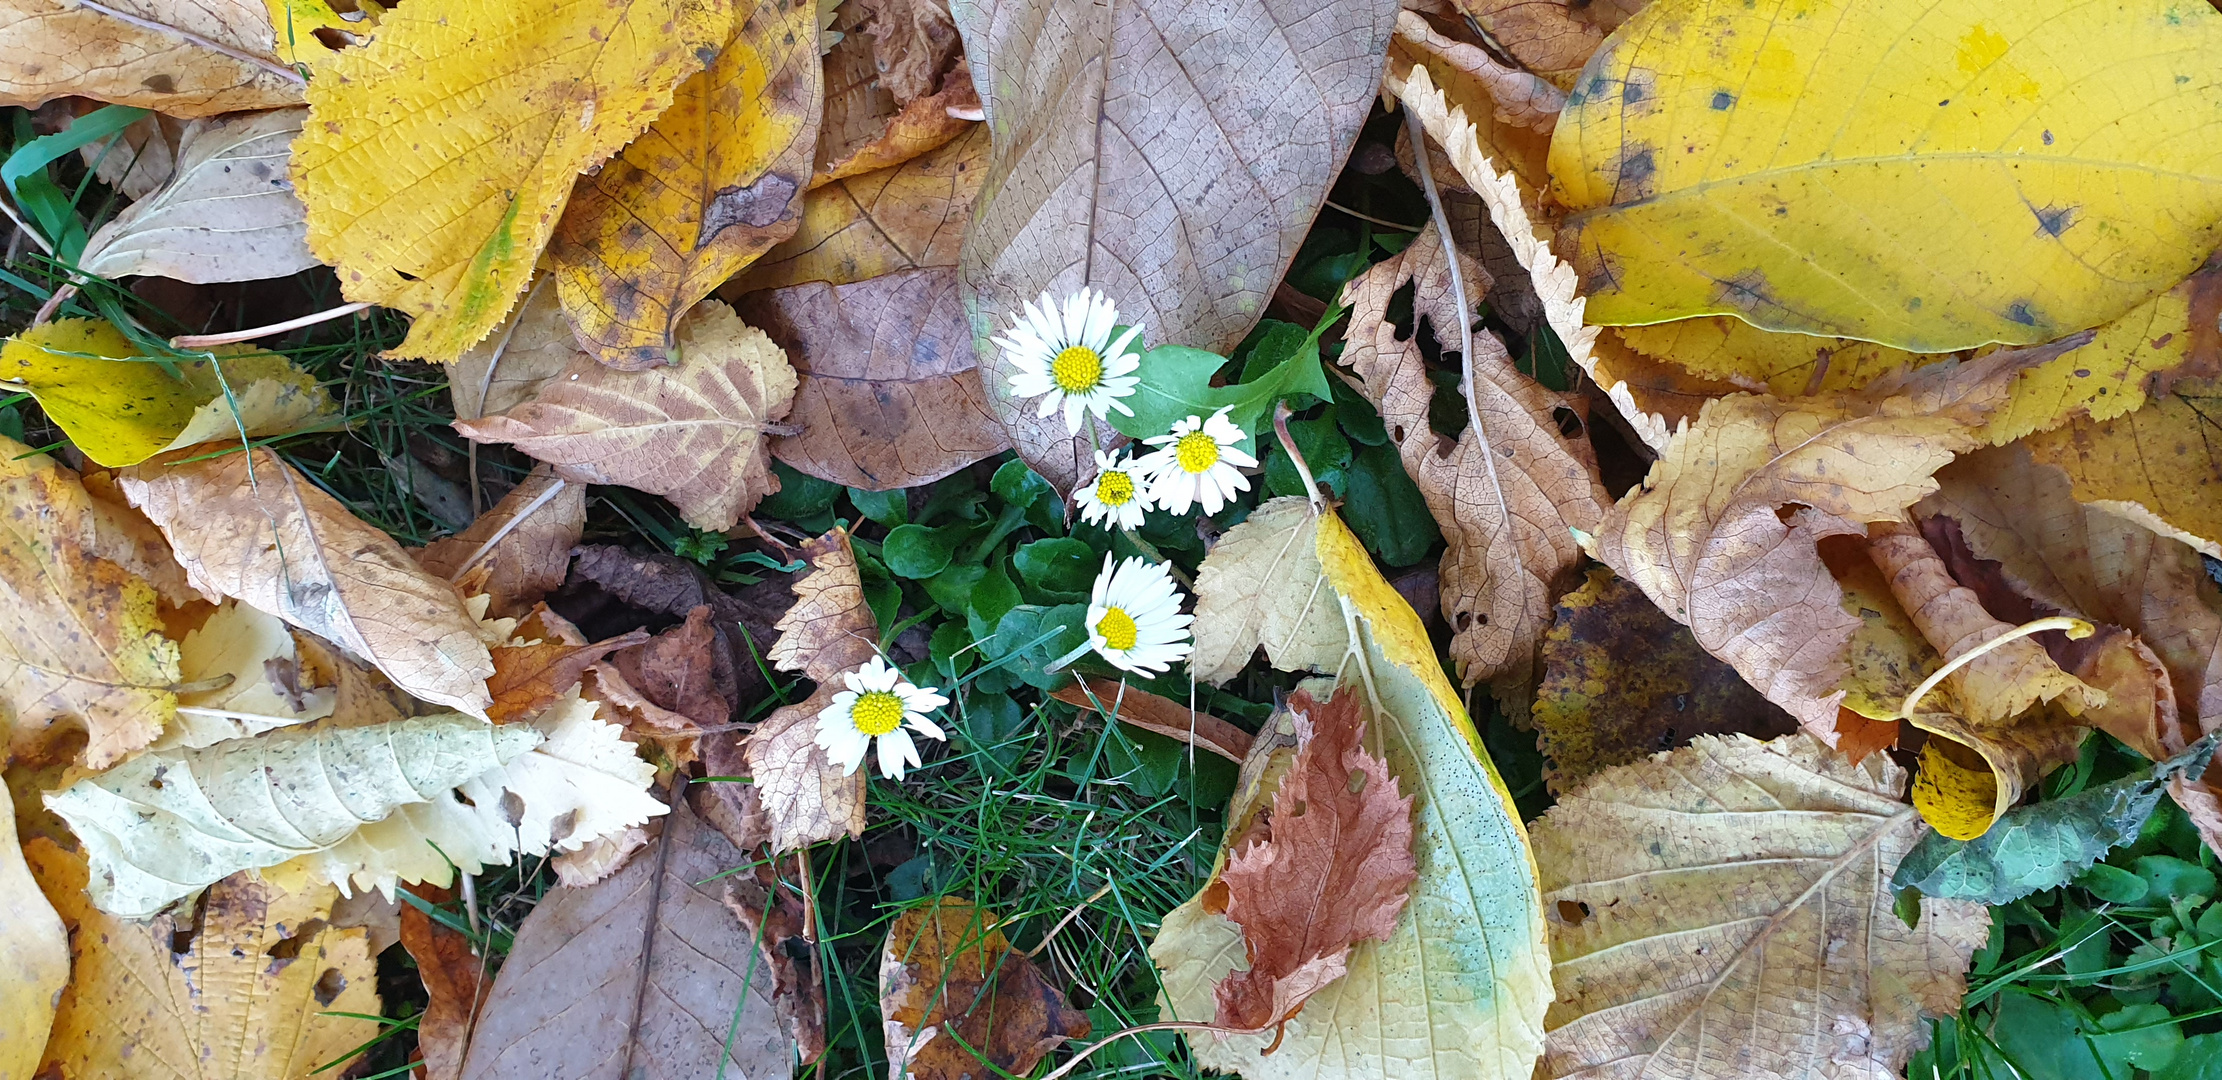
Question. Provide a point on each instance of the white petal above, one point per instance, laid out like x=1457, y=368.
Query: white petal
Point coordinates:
x=848, y=751
x=1117, y=353
x=896, y=752
x=927, y=728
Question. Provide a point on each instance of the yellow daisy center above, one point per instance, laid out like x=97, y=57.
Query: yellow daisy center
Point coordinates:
x=1076, y=370
x=1114, y=489
x=1196, y=452
x=1118, y=629
x=877, y=712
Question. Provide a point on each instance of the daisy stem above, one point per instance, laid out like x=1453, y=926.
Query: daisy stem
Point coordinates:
x=1157, y=556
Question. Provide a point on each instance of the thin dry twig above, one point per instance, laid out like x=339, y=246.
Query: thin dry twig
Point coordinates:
x=202, y=341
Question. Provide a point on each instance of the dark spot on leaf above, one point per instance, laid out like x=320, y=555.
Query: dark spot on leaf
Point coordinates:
x=329, y=986
x=1636, y=170
x=2054, y=220
x=1572, y=912
x=1723, y=100
x=756, y=206
x=160, y=84
x=2048, y=136
x=2019, y=311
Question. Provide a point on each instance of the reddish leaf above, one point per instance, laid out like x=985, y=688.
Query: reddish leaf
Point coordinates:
x=455, y=984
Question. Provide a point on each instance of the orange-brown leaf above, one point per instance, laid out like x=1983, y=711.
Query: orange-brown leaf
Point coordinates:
x=676, y=670
x=947, y=972
x=1161, y=715
x=527, y=537
x=528, y=678
x=455, y=984
x=900, y=217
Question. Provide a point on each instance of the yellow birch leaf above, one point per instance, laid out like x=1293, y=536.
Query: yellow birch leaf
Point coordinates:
x=1785, y=365
x=711, y=185
x=1956, y=799
x=255, y=988
x=34, y=958
x=1928, y=176
x=2160, y=466
x=437, y=159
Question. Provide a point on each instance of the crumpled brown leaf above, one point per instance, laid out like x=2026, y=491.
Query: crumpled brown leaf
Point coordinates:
x=776, y=917
x=530, y=677
x=52, y=48
x=900, y=217
x=896, y=87
x=947, y=974
x=914, y=44
x=1547, y=37
x=527, y=540
x=1622, y=682
x=247, y=526
x=1721, y=535
x=693, y=433
x=830, y=631
x=890, y=396
x=1725, y=911
x=533, y=345
x=455, y=984
x=1510, y=529
x=1329, y=866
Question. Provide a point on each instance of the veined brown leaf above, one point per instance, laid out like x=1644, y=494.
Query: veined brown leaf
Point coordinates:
x=828, y=632
x=52, y=48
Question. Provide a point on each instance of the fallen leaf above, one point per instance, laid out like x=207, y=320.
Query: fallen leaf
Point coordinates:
x=1786, y=365
x=1160, y=715
x=267, y=688
x=890, y=84
x=530, y=677
x=1464, y=979
x=914, y=45
x=1725, y=910
x=34, y=958
x=438, y=157
x=599, y=858
x=524, y=543
x=671, y=587
x=227, y=214
x=693, y=433
x=1721, y=535
x=646, y=972
x=533, y=345
x=830, y=631
x=2157, y=466
x=1843, y=225
x=786, y=944
x=455, y=985
x=712, y=184
x=902, y=217
x=1239, y=608
x=247, y=526
x=81, y=641
x=1515, y=95
x=298, y=23
x=141, y=157
x=675, y=673
x=1176, y=171
x=167, y=822
x=958, y=1000
x=1547, y=37
x=1602, y=703
x=255, y=985
x=1512, y=488
x=890, y=396
x=53, y=49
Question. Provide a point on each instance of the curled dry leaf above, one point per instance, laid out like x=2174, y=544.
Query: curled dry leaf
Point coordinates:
x=247, y=526
x=1510, y=526
x=140, y=158
x=34, y=957
x=228, y=214
x=81, y=638
x=675, y=674
x=891, y=83
x=438, y=157
x=1330, y=865
x=168, y=822
x=947, y=974
x=645, y=974
x=712, y=184
x=524, y=543
x=1176, y=171
x=890, y=397
x=455, y=985
x=1548, y=37
x=268, y=686
x=244, y=989
x=1725, y=910
x=914, y=45
x=1239, y=609
x=1602, y=703
x=1516, y=96
x=693, y=433
x=775, y=916
x=902, y=217
x=531, y=347
x=671, y=587
x=529, y=677
x=53, y=48
x=1722, y=534
x=1161, y=715
x=830, y=631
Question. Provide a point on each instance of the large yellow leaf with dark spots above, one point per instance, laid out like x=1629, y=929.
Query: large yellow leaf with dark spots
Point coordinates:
x=437, y=159
x=1928, y=176
x=712, y=184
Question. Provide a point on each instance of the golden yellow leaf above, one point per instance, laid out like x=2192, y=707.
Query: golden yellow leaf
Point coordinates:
x=80, y=639
x=1959, y=799
x=711, y=185
x=2160, y=466
x=693, y=433
x=247, y=526
x=1932, y=177
x=34, y=958
x=437, y=158
x=244, y=991
x=898, y=218
x=1725, y=911
x=53, y=48
x=1785, y=365
x=294, y=25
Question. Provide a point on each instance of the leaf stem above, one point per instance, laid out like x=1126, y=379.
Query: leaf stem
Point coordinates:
x=202, y=341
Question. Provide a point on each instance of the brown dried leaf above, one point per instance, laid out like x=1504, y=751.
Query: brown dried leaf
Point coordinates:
x=1725, y=911
x=1514, y=96
x=693, y=433
x=914, y=44
x=890, y=83
x=946, y=975
x=247, y=526
x=676, y=671
x=1162, y=715
x=1604, y=701
x=527, y=538
x=779, y=921
x=502, y=372
x=1721, y=535
x=1546, y=36
x=1509, y=528
x=455, y=984
x=529, y=678
x=645, y=972
x=1330, y=866
x=901, y=217
x=919, y=127
x=52, y=48
x=890, y=397
x=829, y=631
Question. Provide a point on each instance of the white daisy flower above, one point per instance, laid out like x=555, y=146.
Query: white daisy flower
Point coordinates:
x=1067, y=358
x=1134, y=617
x=1197, y=463
x=878, y=704
x=1116, y=495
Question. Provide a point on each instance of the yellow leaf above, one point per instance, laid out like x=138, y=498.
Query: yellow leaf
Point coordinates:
x=296, y=23
x=898, y=218
x=158, y=58
x=1958, y=800
x=437, y=158
x=34, y=958
x=238, y=643
x=711, y=185
x=80, y=637
x=2160, y=466
x=251, y=986
x=1931, y=177
x=1785, y=365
